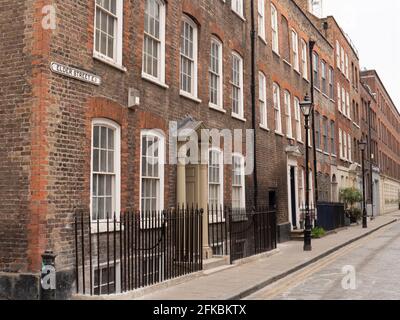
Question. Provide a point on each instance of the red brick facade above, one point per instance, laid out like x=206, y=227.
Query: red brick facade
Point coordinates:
x=46, y=127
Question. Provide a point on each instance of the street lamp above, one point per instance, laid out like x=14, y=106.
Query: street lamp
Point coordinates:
x=306, y=107
x=363, y=145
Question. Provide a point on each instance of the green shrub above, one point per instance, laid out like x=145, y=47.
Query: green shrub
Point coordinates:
x=318, y=232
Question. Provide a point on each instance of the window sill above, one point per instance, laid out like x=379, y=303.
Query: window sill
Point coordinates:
x=239, y=15
x=326, y=153
x=356, y=125
x=153, y=80
x=291, y=138
x=279, y=133
x=317, y=89
x=297, y=71
x=306, y=80
x=263, y=40
x=216, y=108
x=238, y=117
x=300, y=141
x=109, y=62
x=287, y=62
x=265, y=128
x=326, y=96
x=189, y=96
x=103, y=227
x=276, y=53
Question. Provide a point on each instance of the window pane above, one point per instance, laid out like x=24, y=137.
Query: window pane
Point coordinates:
x=103, y=161
x=101, y=185
x=110, y=161
x=96, y=137
x=95, y=160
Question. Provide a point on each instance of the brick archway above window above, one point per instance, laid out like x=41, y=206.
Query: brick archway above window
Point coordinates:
x=100, y=107
x=193, y=10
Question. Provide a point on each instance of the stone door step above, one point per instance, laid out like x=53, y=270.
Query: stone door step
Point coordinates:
x=215, y=262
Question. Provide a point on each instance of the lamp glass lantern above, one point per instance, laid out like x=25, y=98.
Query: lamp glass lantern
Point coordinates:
x=362, y=144
x=306, y=106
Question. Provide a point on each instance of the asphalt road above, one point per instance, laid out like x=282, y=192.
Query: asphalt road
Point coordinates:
x=366, y=270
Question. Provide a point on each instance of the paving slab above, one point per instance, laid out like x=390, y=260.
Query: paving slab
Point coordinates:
x=242, y=280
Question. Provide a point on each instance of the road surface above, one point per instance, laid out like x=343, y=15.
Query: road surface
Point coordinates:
x=367, y=269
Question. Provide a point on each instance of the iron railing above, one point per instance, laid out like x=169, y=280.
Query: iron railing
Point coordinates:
x=136, y=250
x=241, y=233
x=139, y=249
x=331, y=216
x=251, y=232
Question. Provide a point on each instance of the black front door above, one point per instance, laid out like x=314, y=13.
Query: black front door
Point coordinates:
x=293, y=197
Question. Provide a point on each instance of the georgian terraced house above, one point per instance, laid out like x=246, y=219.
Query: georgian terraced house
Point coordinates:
x=92, y=107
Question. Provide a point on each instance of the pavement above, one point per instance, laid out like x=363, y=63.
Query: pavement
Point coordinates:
x=365, y=270
x=243, y=280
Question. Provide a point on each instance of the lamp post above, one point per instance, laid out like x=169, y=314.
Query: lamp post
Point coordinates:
x=306, y=108
x=363, y=144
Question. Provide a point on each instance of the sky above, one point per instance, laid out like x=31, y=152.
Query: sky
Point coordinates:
x=374, y=28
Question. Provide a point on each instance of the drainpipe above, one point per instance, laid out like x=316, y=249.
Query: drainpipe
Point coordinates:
x=370, y=159
x=311, y=48
x=253, y=99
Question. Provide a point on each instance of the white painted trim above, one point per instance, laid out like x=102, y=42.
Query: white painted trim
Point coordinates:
x=242, y=160
x=160, y=79
x=117, y=168
x=221, y=176
x=118, y=42
x=161, y=164
x=221, y=73
x=240, y=115
x=194, y=93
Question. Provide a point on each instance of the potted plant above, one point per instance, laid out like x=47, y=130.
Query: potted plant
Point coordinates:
x=350, y=197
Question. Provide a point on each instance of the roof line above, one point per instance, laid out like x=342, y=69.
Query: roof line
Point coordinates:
x=345, y=35
x=383, y=86
x=312, y=23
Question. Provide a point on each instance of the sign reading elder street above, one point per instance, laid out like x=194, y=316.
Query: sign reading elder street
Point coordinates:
x=75, y=73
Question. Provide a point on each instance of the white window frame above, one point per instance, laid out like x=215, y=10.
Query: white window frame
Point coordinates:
x=261, y=19
x=339, y=97
x=161, y=163
x=340, y=143
x=243, y=178
x=194, y=92
x=220, y=91
x=275, y=29
x=277, y=107
x=344, y=111
x=237, y=7
x=262, y=98
x=117, y=171
x=346, y=67
x=239, y=86
x=288, y=113
x=331, y=85
x=295, y=50
x=348, y=111
x=342, y=60
x=117, y=280
x=160, y=78
x=349, y=142
x=304, y=59
x=323, y=78
x=118, y=36
x=338, y=54
x=221, y=178
x=345, y=145
x=297, y=114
